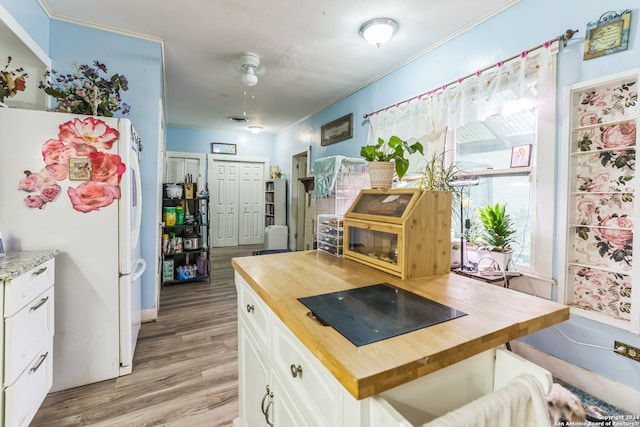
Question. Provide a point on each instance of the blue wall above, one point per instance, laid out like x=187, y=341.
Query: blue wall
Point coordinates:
x=521, y=27
x=199, y=141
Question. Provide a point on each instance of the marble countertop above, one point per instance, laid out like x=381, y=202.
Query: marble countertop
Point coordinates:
x=13, y=264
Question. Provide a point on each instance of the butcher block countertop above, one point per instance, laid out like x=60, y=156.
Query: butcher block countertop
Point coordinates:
x=495, y=315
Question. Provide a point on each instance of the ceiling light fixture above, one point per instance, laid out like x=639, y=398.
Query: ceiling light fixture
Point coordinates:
x=378, y=31
x=255, y=129
x=249, y=63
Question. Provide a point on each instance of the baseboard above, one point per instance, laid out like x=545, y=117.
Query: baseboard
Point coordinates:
x=619, y=395
x=149, y=315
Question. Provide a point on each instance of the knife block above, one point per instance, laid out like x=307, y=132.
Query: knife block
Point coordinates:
x=189, y=190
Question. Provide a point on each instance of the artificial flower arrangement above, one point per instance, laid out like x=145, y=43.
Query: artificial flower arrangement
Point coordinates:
x=11, y=81
x=86, y=91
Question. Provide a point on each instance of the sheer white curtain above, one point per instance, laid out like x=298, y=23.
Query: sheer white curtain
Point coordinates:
x=504, y=89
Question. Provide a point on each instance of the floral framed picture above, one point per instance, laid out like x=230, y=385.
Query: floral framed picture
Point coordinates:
x=521, y=156
x=79, y=169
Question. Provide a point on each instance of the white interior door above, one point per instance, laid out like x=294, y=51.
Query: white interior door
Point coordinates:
x=224, y=203
x=251, y=194
x=180, y=164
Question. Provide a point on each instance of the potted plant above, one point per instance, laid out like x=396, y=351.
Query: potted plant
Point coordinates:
x=497, y=233
x=388, y=157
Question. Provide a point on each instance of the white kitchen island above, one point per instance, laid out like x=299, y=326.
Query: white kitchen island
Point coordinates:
x=293, y=371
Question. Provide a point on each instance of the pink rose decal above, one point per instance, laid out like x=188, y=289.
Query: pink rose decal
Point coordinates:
x=106, y=167
x=88, y=135
x=32, y=182
x=91, y=195
x=56, y=172
x=50, y=192
x=616, y=136
x=34, y=202
x=588, y=118
x=55, y=152
x=616, y=237
x=77, y=138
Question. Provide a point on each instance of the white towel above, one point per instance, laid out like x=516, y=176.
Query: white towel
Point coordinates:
x=521, y=403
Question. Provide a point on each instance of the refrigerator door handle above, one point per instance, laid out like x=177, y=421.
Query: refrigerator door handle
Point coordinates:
x=136, y=237
x=141, y=266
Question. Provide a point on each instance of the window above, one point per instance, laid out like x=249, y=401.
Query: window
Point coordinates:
x=484, y=148
x=476, y=122
x=520, y=114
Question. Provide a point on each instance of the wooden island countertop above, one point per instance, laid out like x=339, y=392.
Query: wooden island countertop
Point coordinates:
x=495, y=315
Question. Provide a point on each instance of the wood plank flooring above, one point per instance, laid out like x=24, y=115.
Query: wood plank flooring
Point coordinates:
x=185, y=369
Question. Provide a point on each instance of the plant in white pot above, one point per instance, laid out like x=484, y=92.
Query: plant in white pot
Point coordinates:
x=387, y=158
x=497, y=233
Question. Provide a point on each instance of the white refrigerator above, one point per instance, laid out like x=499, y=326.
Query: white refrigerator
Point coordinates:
x=71, y=182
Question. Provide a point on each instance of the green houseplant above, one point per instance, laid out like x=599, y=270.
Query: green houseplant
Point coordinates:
x=393, y=153
x=497, y=233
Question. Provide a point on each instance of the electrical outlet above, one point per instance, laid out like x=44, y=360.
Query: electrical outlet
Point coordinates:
x=629, y=351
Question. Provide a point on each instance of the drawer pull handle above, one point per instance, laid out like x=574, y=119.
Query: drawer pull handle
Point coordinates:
x=266, y=413
x=39, y=304
x=39, y=271
x=296, y=371
x=250, y=308
x=43, y=357
x=264, y=399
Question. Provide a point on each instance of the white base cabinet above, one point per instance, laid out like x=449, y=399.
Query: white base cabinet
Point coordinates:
x=28, y=314
x=281, y=384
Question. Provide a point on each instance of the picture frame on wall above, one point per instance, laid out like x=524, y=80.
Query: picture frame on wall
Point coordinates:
x=610, y=34
x=521, y=156
x=223, y=148
x=337, y=130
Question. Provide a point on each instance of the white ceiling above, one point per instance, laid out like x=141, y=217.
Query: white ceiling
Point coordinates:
x=311, y=51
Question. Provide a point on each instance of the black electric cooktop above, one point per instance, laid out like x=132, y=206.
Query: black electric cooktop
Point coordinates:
x=377, y=312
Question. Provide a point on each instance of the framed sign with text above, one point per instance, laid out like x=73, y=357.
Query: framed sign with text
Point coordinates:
x=610, y=34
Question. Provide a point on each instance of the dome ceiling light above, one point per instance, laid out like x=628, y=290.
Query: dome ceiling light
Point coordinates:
x=378, y=31
x=255, y=129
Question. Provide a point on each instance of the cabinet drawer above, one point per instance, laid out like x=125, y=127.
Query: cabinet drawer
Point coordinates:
x=313, y=387
x=25, y=333
x=252, y=310
x=25, y=396
x=26, y=287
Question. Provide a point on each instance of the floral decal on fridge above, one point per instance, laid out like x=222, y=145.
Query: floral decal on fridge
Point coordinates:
x=86, y=140
x=603, y=157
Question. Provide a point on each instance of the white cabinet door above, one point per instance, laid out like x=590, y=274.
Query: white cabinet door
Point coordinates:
x=253, y=379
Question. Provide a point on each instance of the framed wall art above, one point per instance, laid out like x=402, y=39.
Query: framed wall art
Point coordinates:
x=521, y=156
x=610, y=34
x=222, y=148
x=337, y=130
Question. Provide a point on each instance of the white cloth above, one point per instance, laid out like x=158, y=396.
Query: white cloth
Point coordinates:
x=521, y=403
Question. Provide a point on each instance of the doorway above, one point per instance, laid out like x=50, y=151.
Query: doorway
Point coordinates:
x=299, y=168
x=236, y=200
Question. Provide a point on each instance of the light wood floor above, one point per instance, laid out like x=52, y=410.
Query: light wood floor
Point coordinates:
x=185, y=369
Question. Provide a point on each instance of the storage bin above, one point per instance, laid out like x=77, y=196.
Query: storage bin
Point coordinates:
x=276, y=236
x=434, y=395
